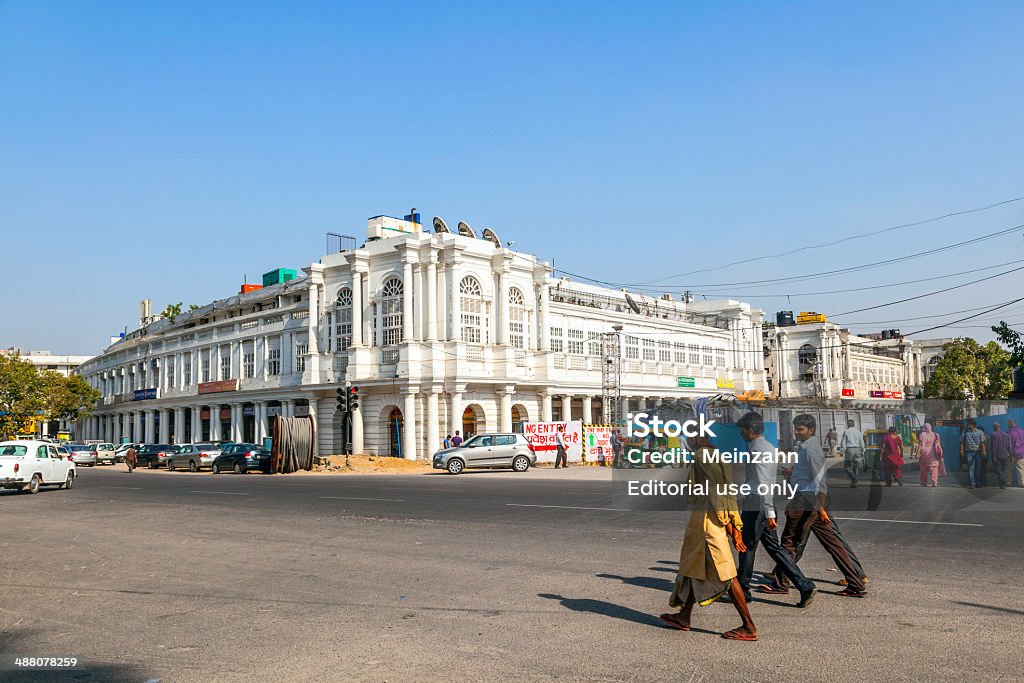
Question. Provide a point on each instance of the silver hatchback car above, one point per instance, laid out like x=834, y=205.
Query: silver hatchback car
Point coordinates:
x=488, y=450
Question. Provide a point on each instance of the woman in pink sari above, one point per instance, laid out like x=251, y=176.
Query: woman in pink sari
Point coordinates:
x=892, y=457
x=930, y=452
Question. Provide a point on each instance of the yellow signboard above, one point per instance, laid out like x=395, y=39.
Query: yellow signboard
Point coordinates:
x=726, y=383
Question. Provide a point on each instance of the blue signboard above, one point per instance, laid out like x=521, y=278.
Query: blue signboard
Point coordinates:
x=144, y=394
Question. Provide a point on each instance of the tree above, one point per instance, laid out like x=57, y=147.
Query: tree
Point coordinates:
x=21, y=394
x=1011, y=338
x=172, y=311
x=969, y=370
x=68, y=398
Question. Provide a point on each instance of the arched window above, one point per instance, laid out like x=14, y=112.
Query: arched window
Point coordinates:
x=343, y=320
x=472, y=307
x=807, y=355
x=391, y=311
x=517, y=319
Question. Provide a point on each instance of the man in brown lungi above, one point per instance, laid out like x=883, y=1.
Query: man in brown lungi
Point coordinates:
x=131, y=458
x=707, y=570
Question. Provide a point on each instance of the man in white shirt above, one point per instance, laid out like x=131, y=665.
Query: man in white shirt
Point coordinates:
x=852, y=444
x=561, y=457
x=757, y=513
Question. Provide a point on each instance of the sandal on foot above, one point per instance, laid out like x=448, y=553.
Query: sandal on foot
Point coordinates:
x=669, y=618
x=772, y=589
x=737, y=634
x=850, y=593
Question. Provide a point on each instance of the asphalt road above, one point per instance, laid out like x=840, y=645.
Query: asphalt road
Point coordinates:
x=485, y=576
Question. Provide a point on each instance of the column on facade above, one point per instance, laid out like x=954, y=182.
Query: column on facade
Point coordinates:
x=543, y=319
x=236, y=422
x=502, y=307
x=313, y=340
x=357, y=308
x=215, y=430
x=567, y=407
x=545, y=408
x=431, y=302
x=408, y=290
x=418, y=303
x=454, y=307
x=315, y=415
x=409, y=417
x=179, y=425
x=433, y=417
x=357, y=430
x=456, y=412
x=588, y=409
x=506, y=407
x=259, y=410
x=164, y=428
x=115, y=428
x=150, y=426
x=197, y=424
x=288, y=408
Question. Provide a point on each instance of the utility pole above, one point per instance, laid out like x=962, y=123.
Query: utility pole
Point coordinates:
x=611, y=376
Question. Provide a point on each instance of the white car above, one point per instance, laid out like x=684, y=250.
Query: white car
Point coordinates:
x=29, y=465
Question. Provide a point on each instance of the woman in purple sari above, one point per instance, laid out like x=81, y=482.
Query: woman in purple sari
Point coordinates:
x=930, y=452
x=892, y=457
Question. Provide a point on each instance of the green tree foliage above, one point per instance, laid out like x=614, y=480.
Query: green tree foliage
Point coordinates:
x=172, y=311
x=28, y=394
x=68, y=398
x=21, y=394
x=1011, y=338
x=969, y=370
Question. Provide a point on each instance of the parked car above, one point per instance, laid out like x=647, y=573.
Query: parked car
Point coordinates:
x=82, y=454
x=104, y=453
x=488, y=450
x=194, y=456
x=29, y=465
x=242, y=457
x=153, y=455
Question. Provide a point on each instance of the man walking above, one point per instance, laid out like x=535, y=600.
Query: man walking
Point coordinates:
x=616, y=442
x=758, y=512
x=1016, y=450
x=808, y=513
x=560, y=455
x=852, y=444
x=131, y=458
x=972, y=448
x=831, y=441
x=999, y=453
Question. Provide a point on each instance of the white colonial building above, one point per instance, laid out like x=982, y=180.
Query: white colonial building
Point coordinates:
x=440, y=331
x=824, y=360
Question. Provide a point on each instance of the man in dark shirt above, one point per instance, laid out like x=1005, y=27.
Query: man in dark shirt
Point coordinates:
x=999, y=453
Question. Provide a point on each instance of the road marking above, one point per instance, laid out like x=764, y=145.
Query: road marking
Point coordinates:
x=385, y=500
x=562, y=507
x=904, y=521
x=222, y=493
x=133, y=488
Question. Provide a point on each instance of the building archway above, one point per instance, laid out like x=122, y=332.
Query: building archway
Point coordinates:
x=473, y=421
x=392, y=425
x=519, y=416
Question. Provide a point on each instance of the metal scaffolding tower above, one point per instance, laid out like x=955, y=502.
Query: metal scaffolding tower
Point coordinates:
x=611, y=376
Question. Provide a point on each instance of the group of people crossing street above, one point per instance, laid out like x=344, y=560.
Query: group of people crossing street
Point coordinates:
x=707, y=570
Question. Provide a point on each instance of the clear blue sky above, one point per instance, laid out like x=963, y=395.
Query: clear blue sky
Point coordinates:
x=163, y=150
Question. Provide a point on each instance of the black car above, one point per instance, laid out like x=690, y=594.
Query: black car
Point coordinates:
x=242, y=457
x=153, y=455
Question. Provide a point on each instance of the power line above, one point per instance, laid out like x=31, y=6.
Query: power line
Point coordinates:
x=949, y=324
x=939, y=291
x=860, y=289
x=808, y=276
x=845, y=239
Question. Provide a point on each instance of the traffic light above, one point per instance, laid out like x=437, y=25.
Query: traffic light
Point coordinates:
x=342, y=401
x=353, y=398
